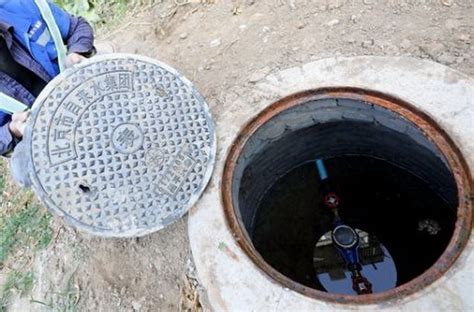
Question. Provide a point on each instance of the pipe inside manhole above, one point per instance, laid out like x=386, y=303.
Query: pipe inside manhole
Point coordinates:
x=391, y=172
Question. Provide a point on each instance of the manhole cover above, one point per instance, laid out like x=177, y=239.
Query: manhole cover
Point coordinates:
x=120, y=146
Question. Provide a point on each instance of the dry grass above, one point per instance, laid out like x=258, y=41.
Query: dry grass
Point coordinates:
x=24, y=230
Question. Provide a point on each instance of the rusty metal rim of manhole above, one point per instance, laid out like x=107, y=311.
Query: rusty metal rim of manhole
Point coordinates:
x=429, y=127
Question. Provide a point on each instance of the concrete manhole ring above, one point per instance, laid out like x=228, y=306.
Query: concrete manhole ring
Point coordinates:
x=234, y=281
x=270, y=132
x=120, y=146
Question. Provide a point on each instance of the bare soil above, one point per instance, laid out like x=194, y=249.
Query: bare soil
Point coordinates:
x=221, y=47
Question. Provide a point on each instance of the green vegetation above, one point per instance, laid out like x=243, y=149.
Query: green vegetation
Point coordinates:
x=65, y=300
x=98, y=12
x=24, y=229
x=19, y=282
x=92, y=10
x=2, y=183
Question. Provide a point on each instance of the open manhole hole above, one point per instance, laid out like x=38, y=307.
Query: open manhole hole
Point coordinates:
x=341, y=191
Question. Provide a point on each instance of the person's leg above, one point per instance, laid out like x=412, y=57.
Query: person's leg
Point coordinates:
x=19, y=165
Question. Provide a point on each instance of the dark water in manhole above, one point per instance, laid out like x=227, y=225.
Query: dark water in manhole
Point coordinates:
x=376, y=196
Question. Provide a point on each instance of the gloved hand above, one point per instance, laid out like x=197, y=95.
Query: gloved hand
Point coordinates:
x=73, y=59
x=18, y=123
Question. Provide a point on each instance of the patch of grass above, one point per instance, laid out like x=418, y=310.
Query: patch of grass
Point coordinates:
x=100, y=12
x=70, y=295
x=92, y=10
x=66, y=300
x=2, y=184
x=25, y=227
x=17, y=282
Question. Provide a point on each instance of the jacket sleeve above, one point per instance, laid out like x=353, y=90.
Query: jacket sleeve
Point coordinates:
x=80, y=38
x=7, y=142
x=11, y=88
x=75, y=30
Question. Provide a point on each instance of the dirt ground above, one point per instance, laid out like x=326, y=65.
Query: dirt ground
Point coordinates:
x=221, y=47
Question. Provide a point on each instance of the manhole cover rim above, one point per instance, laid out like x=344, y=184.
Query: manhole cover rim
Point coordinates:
x=42, y=194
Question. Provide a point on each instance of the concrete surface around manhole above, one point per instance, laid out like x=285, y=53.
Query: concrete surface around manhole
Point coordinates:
x=121, y=145
x=233, y=282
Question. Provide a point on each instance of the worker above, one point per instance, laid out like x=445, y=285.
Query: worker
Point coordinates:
x=28, y=61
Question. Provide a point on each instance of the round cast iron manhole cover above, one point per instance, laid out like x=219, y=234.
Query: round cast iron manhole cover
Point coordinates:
x=121, y=145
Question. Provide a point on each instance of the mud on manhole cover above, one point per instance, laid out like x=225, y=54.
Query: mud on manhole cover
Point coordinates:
x=120, y=146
